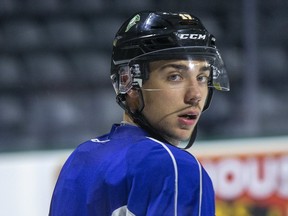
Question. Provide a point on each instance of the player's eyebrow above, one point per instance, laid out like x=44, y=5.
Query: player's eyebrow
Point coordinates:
x=184, y=67
x=205, y=68
x=175, y=66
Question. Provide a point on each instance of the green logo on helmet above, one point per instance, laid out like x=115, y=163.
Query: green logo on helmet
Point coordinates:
x=133, y=22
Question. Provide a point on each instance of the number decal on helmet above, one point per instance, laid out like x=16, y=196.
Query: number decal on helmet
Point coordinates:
x=186, y=16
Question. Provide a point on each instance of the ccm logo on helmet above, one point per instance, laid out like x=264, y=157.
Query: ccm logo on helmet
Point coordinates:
x=192, y=36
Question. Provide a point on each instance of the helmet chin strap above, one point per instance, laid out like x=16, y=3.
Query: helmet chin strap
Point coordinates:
x=139, y=119
x=192, y=138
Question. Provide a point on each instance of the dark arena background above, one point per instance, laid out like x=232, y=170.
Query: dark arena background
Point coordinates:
x=55, y=93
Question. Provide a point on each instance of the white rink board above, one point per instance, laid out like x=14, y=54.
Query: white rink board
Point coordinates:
x=27, y=181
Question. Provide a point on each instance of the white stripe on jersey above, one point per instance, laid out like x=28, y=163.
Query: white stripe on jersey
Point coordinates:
x=175, y=170
x=200, y=190
x=176, y=177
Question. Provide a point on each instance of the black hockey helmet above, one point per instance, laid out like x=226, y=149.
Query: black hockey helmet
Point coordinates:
x=149, y=36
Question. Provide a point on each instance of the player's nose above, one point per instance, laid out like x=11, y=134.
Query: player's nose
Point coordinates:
x=193, y=94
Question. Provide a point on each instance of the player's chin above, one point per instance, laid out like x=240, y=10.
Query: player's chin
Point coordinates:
x=183, y=134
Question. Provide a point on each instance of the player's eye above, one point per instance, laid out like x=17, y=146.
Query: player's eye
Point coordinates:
x=174, y=77
x=203, y=78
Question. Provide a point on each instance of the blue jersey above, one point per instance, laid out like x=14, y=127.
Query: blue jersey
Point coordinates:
x=127, y=173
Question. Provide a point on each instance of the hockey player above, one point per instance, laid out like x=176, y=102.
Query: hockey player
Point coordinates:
x=164, y=69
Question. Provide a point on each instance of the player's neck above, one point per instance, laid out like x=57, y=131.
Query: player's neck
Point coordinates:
x=127, y=119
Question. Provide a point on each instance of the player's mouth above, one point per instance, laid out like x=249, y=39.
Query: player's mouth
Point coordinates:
x=188, y=118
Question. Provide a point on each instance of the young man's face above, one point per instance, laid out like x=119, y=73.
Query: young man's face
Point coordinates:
x=174, y=97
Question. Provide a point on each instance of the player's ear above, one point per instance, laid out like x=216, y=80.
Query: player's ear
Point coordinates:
x=132, y=99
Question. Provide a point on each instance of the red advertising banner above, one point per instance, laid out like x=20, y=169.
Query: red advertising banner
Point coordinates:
x=250, y=179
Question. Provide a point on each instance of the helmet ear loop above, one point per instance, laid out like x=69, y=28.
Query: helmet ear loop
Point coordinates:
x=144, y=75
